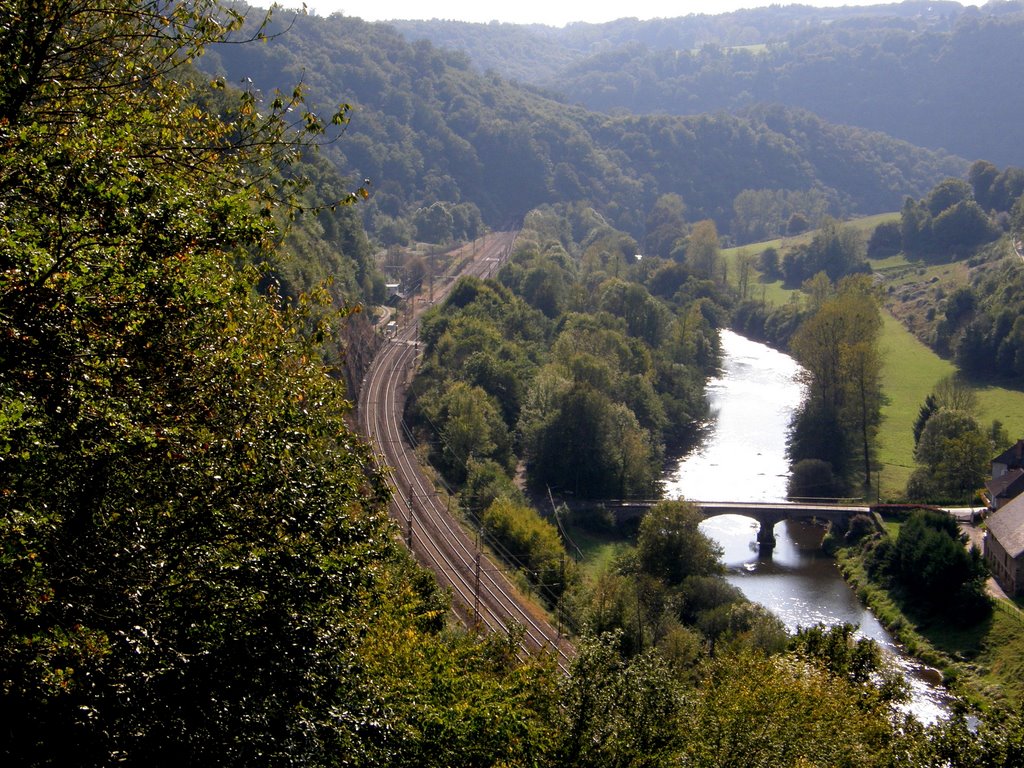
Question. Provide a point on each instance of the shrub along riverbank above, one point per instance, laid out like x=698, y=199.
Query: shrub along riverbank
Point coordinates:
x=982, y=661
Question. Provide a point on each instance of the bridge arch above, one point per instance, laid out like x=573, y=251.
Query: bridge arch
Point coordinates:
x=770, y=514
x=767, y=514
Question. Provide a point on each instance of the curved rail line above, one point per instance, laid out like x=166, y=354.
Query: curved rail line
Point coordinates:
x=482, y=595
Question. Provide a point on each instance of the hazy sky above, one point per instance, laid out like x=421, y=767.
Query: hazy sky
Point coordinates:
x=552, y=12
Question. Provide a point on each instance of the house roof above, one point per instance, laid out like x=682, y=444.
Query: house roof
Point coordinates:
x=1006, y=486
x=1007, y=526
x=1012, y=456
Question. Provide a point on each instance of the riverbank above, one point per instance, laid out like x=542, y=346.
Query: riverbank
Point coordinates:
x=983, y=664
x=910, y=368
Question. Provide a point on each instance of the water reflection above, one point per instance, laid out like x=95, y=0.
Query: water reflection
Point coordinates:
x=743, y=458
x=798, y=582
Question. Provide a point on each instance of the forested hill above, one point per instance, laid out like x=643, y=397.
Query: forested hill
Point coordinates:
x=427, y=127
x=535, y=53
x=937, y=75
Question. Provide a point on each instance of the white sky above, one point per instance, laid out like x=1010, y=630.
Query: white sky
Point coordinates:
x=554, y=13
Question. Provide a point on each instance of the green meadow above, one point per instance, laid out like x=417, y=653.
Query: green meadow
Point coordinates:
x=910, y=372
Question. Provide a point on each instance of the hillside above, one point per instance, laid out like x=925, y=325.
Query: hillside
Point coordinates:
x=931, y=74
x=540, y=54
x=427, y=127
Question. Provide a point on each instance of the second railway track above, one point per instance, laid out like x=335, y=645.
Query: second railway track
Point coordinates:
x=481, y=591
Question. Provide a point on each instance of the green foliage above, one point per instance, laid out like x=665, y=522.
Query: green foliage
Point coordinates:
x=704, y=593
x=486, y=482
x=929, y=561
x=742, y=625
x=838, y=345
x=543, y=280
x=866, y=66
x=472, y=430
x=835, y=249
x=954, y=454
x=530, y=543
x=762, y=214
x=860, y=527
x=996, y=739
x=618, y=713
x=437, y=699
x=671, y=547
x=858, y=661
x=702, y=250
x=481, y=344
x=429, y=129
x=886, y=240
x=946, y=194
x=980, y=326
x=814, y=478
x=196, y=564
x=753, y=710
x=928, y=409
x=185, y=516
x=949, y=222
x=592, y=373
x=665, y=226
x=196, y=561
x=434, y=223
x=963, y=227
x=592, y=447
x=774, y=325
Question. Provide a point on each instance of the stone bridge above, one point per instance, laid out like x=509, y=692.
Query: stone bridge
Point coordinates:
x=768, y=514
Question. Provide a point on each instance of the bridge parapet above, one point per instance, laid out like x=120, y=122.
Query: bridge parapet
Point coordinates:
x=768, y=514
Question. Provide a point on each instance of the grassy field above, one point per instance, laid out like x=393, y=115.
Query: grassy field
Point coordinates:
x=911, y=370
x=908, y=376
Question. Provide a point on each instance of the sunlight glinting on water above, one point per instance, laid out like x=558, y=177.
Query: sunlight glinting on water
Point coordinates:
x=752, y=402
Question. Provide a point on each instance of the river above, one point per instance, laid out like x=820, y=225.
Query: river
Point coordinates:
x=743, y=458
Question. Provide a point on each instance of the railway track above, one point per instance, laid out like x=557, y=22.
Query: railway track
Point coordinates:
x=482, y=595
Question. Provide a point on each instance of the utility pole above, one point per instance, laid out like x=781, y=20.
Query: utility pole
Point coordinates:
x=476, y=587
x=558, y=612
x=408, y=530
x=430, y=271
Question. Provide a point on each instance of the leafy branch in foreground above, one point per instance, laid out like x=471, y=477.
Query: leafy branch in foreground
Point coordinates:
x=190, y=536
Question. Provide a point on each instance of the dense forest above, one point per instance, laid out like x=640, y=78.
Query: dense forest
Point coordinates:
x=428, y=129
x=931, y=74
x=538, y=53
x=579, y=359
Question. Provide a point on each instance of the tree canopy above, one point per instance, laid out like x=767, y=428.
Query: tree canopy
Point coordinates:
x=195, y=552
x=838, y=346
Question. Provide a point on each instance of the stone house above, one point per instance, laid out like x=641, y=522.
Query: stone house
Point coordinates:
x=1007, y=476
x=1004, y=488
x=1004, y=546
x=1011, y=458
